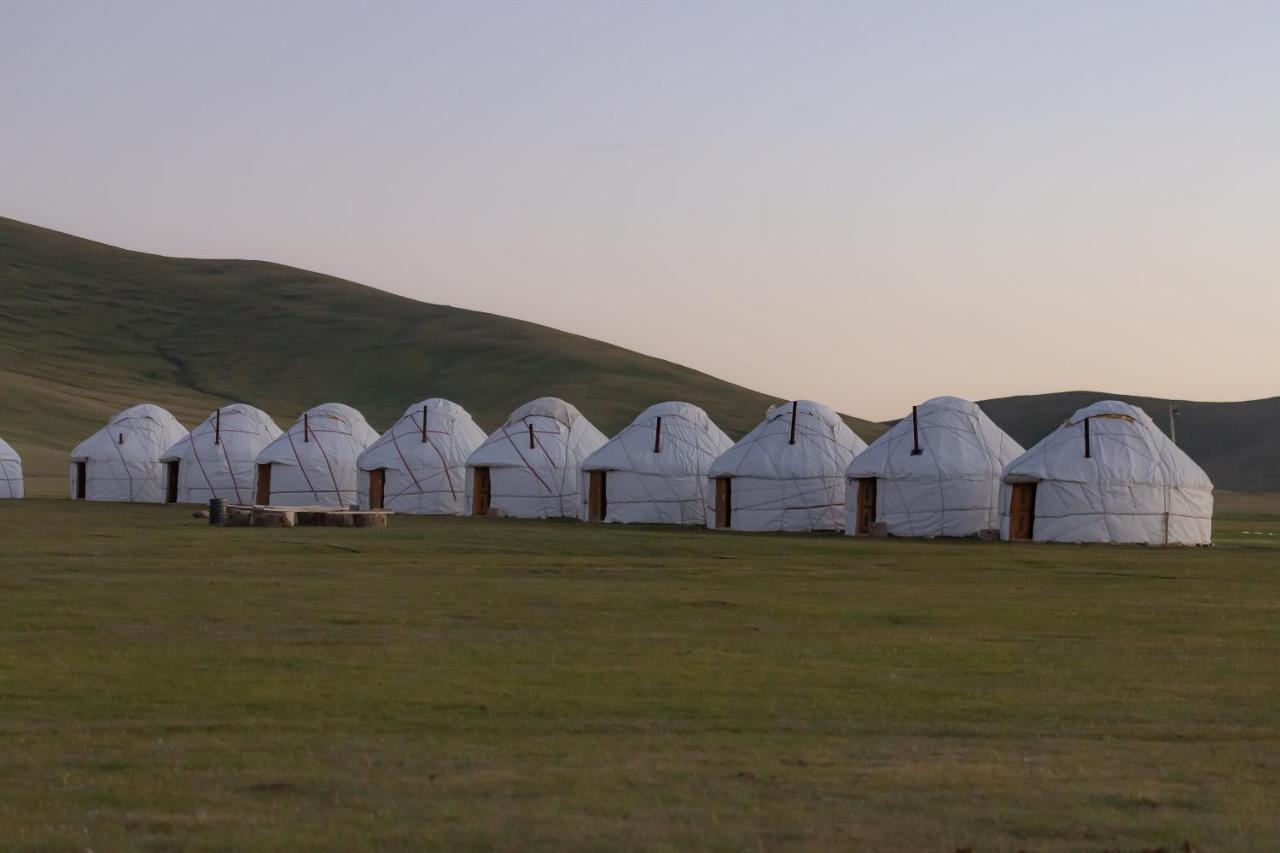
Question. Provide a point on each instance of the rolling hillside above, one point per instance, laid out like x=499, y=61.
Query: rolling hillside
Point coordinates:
x=86, y=329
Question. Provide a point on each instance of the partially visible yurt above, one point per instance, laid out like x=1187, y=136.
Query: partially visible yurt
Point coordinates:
x=313, y=463
x=655, y=470
x=786, y=474
x=935, y=473
x=10, y=471
x=531, y=466
x=1108, y=474
x=419, y=466
x=218, y=458
x=121, y=461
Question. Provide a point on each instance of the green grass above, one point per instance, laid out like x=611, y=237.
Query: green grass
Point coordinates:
x=471, y=684
x=88, y=329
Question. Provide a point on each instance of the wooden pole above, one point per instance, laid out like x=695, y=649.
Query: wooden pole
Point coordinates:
x=657, y=437
x=792, y=440
x=1087, y=453
x=915, y=433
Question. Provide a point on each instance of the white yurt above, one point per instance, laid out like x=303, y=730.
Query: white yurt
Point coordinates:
x=218, y=458
x=935, y=473
x=531, y=466
x=655, y=470
x=1108, y=474
x=786, y=474
x=121, y=461
x=419, y=466
x=313, y=463
x=10, y=471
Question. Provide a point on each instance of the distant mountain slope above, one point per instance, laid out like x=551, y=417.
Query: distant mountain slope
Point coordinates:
x=1236, y=443
x=86, y=329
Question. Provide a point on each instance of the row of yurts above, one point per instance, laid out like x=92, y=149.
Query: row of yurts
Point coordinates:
x=1107, y=474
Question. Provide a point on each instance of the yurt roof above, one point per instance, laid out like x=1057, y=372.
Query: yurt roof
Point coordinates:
x=206, y=427
x=160, y=428
x=283, y=449
x=957, y=441
x=546, y=407
x=689, y=438
x=341, y=411
x=444, y=407
x=577, y=435
x=1125, y=446
x=823, y=444
x=399, y=446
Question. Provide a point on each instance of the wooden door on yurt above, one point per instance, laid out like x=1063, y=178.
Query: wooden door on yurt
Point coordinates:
x=481, y=494
x=264, y=485
x=1022, y=511
x=171, y=482
x=597, y=496
x=865, y=511
x=81, y=477
x=724, y=501
x=377, y=488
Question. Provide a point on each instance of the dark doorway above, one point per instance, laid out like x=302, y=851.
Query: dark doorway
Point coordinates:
x=264, y=485
x=171, y=482
x=597, y=497
x=80, y=480
x=865, y=511
x=377, y=488
x=1022, y=511
x=724, y=501
x=481, y=495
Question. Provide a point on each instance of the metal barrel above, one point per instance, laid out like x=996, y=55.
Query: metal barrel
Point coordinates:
x=217, y=510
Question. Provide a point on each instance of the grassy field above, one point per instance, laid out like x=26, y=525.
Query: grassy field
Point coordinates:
x=460, y=683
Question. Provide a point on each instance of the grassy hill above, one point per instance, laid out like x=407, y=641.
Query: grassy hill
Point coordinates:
x=87, y=329
x=1235, y=443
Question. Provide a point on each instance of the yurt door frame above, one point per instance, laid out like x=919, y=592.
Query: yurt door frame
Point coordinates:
x=481, y=491
x=724, y=501
x=171, y=482
x=598, y=496
x=865, y=512
x=81, y=480
x=377, y=488
x=1022, y=511
x=263, y=495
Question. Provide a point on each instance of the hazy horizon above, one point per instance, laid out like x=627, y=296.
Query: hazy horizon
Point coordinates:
x=864, y=204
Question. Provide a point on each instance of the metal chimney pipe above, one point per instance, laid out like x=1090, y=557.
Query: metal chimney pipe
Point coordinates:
x=306, y=427
x=424, y=424
x=915, y=433
x=792, y=440
x=657, y=437
x=217, y=428
x=1087, y=453
x=531, y=445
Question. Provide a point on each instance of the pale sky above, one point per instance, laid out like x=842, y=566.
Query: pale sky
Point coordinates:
x=866, y=204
